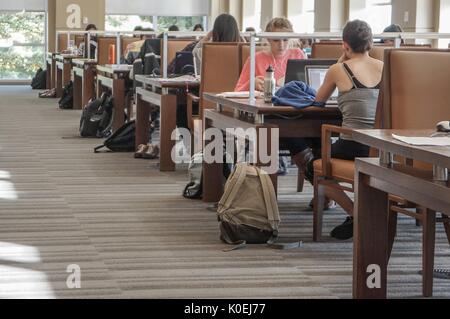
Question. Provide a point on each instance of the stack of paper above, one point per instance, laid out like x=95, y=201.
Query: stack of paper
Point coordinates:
x=238, y=95
x=424, y=141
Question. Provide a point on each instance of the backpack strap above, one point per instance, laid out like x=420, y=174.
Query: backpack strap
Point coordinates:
x=238, y=178
x=96, y=150
x=270, y=200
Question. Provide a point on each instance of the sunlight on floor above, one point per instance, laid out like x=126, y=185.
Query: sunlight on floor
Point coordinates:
x=24, y=283
x=7, y=189
x=5, y=174
x=19, y=253
x=18, y=281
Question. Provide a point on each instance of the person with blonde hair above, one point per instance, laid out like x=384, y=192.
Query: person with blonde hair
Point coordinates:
x=280, y=51
x=277, y=57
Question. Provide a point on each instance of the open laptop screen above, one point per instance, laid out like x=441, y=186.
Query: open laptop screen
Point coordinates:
x=315, y=76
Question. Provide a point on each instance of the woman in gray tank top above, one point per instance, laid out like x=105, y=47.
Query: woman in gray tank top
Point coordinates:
x=357, y=76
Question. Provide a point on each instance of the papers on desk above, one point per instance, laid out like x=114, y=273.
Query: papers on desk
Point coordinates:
x=120, y=67
x=239, y=95
x=183, y=78
x=424, y=141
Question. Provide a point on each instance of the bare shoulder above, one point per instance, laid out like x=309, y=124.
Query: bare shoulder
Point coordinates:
x=335, y=69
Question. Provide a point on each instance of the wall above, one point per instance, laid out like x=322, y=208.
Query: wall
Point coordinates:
x=92, y=11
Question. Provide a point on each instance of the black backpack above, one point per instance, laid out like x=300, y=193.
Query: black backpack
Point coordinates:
x=123, y=140
x=39, y=81
x=66, y=101
x=96, y=118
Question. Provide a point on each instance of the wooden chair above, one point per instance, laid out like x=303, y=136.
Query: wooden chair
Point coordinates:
x=220, y=73
x=173, y=46
x=327, y=50
x=245, y=53
x=401, y=106
x=125, y=41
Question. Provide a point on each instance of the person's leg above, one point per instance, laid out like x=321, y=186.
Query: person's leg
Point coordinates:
x=347, y=150
x=300, y=151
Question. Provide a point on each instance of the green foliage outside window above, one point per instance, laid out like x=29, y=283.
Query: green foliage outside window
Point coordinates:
x=22, y=38
x=128, y=23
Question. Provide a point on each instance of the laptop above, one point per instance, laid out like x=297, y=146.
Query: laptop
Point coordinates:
x=315, y=75
x=296, y=69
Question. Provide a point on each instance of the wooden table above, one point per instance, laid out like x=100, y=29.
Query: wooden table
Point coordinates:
x=114, y=78
x=84, y=71
x=63, y=71
x=50, y=67
x=240, y=113
x=160, y=93
x=375, y=179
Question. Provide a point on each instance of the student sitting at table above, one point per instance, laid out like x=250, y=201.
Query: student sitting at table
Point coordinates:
x=357, y=76
x=277, y=57
x=225, y=30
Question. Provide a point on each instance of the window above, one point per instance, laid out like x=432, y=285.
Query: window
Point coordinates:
x=301, y=14
x=444, y=23
x=129, y=22
x=22, y=44
x=378, y=13
x=184, y=23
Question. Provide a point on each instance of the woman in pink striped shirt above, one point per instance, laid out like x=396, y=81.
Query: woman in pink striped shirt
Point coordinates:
x=277, y=57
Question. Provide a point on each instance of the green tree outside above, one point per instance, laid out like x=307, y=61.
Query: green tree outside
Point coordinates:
x=22, y=37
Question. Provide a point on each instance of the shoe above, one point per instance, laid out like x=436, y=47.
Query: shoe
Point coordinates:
x=141, y=150
x=152, y=152
x=329, y=204
x=282, y=167
x=344, y=231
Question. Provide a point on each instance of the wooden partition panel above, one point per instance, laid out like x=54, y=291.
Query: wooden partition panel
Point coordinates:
x=62, y=42
x=103, y=49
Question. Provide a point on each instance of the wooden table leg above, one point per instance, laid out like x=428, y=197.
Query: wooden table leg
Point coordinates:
x=370, y=240
x=77, y=92
x=118, y=93
x=48, y=76
x=428, y=247
x=168, y=126
x=212, y=176
x=67, y=67
x=59, y=82
x=142, y=121
x=88, y=85
x=53, y=75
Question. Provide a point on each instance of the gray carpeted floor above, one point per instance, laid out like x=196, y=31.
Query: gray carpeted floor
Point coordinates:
x=133, y=236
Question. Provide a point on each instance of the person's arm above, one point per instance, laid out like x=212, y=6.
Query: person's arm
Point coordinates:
x=328, y=86
x=244, y=81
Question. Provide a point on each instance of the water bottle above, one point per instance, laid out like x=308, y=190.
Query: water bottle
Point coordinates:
x=269, y=85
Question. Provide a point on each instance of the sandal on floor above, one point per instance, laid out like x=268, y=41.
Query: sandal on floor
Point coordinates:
x=152, y=152
x=142, y=149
